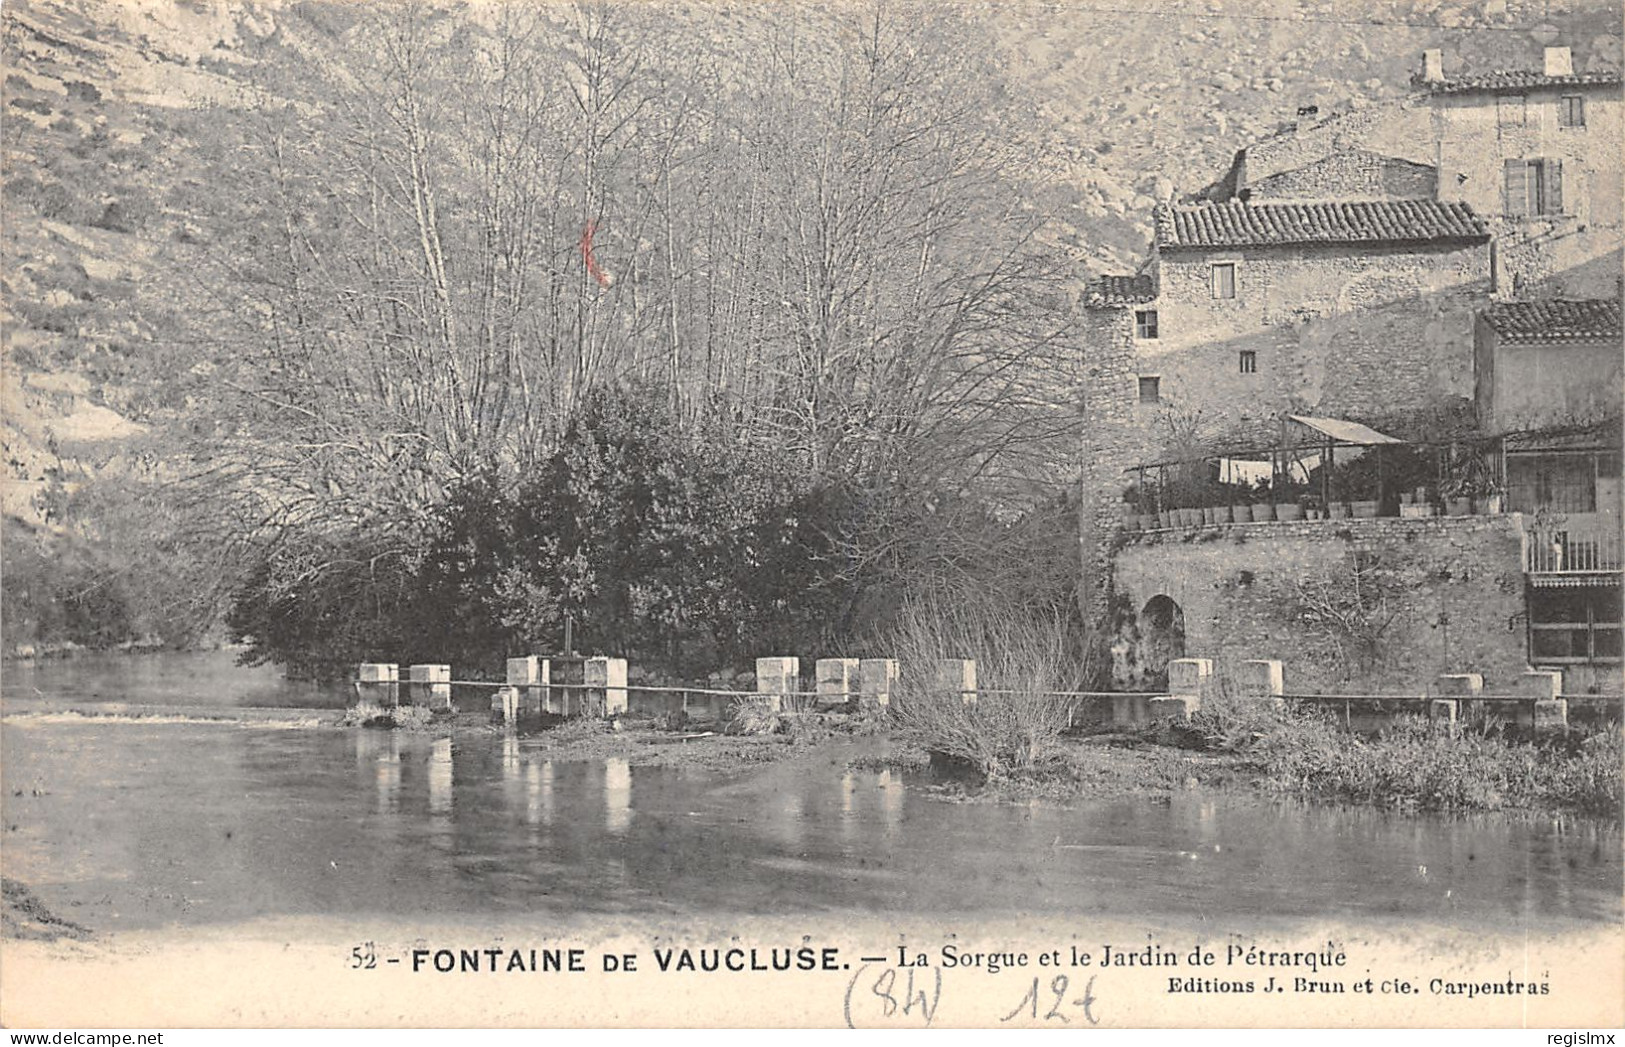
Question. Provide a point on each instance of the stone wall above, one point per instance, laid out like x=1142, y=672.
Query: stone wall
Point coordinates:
x=1356, y=175
x=1575, y=254
x=1441, y=595
x=1349, y=331
x=1114, y=441
x=1397, y=130
x=1358, y=332
x=1534, y=385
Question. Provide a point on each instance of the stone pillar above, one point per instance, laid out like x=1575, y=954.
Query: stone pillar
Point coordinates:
x=530, y=676
x=1551, y=715
x=430, y=686
x=605, y=680
x=378, y=685
x=1174, y=706
x=1188, y=680
x=1544, y=689
x=1540, y=684
x=1457, y=685
x=837, y=680
x=877, y=679
x=505, y=706
x=1261, y=678
x=776, y=678
x=1190, y=677
x=1445, y=709
x=958, y=674
x=1449, y=691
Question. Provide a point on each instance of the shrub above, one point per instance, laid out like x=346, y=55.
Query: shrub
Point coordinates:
x=402, y=717
x=1024, y=661
x=755, y=715
x=1232, y=719
x=1424, y=764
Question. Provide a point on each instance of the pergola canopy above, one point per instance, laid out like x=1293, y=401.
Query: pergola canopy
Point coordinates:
x=1334, y=431
x=1345, y=432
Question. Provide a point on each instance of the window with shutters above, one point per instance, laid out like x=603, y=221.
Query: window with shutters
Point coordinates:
x=1150, y=389
x=1249, y=361
x=1224, y=279
x=1532, y=187
x=1571, y=111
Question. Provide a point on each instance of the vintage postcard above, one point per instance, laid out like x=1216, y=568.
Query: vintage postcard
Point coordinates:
x=887, y=514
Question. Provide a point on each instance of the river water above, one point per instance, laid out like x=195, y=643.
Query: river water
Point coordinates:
x=133, y=822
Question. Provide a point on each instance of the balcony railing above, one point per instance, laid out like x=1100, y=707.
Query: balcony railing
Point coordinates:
x=1583, y=543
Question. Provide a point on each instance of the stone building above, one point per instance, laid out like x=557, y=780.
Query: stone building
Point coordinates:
x=1247, y=312
x=1547, y=364
x=1549, y=385
x=1379, y=152
x=1336, y=274
x=1537, y=153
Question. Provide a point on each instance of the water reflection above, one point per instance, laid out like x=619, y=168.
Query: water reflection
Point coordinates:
x=891, y=801
x=317, y=820
x=617, y=795
x=380, y=753
x=848, y=801
x=787, y=824
x=440, y=777
x=539, y=793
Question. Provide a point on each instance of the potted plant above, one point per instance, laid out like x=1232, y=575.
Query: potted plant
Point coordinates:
x=1337, y=510
x=1241, y=506
x=1143, y=504
x=1364, y=508
x=1457, y=494
x=1263, y=505
x=1472, y=480
x=1215, y=502
x=1288, y=502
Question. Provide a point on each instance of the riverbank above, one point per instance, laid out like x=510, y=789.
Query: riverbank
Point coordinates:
x=266, y=856
x=1412, y=765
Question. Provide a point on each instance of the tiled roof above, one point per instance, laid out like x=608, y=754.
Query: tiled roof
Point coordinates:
x=1122, y=290
x=1348, y=222
x=1586, y=320
x=1518, y=80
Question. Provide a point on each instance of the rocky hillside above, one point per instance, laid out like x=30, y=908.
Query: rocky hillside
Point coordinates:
x=107, y=104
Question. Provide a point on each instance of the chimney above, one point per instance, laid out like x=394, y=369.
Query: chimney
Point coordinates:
x=1432, y=65
x=1559, y=61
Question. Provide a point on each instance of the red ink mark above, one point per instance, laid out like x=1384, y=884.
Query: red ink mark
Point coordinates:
x=603, y=276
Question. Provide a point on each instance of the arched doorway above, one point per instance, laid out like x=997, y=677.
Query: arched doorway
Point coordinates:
x=1162, y=639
